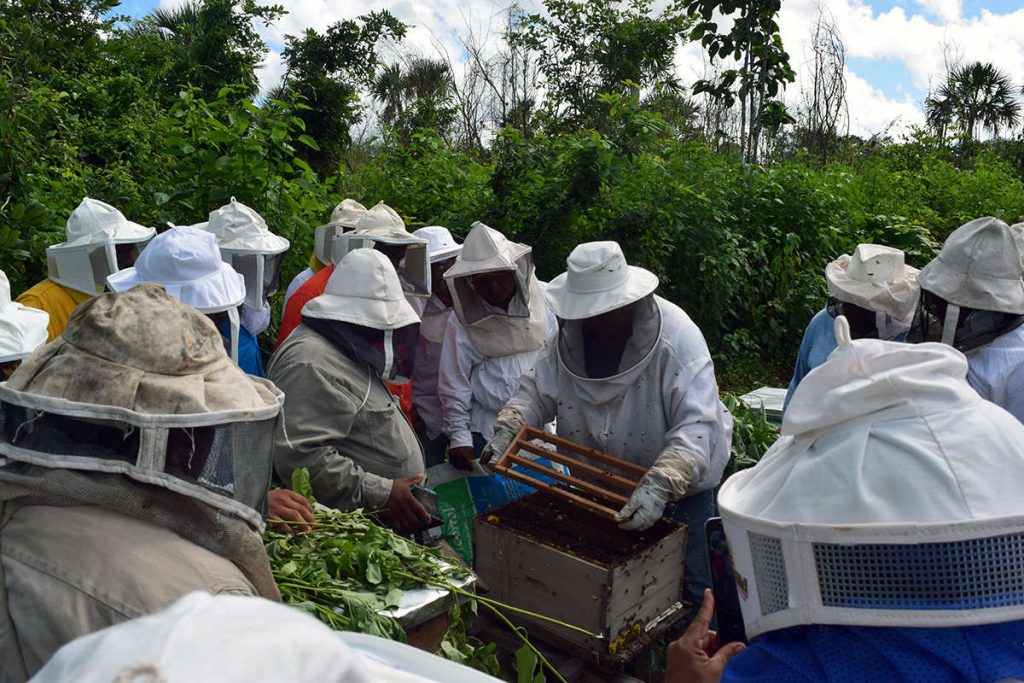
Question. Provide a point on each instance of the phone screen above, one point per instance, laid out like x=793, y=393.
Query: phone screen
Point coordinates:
x=723, y=586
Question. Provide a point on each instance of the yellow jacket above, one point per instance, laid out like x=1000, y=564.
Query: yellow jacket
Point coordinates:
x=57, y=300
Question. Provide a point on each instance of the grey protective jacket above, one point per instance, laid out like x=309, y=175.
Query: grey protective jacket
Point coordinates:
x=68, y=571
x=341, y=423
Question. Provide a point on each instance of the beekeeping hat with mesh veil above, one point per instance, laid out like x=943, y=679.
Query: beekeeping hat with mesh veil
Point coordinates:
x=139, y=385
x=891, y=499
x=22, y=329
x=249, y=247
x=95, y=230
x=979, y=267
x=524, y=326
x=186, y=262
x=363, y=311
x=382, y=227
x=876, y=278
x=344, y=218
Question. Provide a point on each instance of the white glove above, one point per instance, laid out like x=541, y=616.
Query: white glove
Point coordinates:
x=508, y=424
x=643, y=509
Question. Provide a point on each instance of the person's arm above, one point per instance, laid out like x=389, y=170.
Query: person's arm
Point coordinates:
x=317, y=416
x=533, y=404
x=454, y=387
x=292, y=315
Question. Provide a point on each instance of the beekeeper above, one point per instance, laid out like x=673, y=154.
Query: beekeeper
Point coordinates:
x=341, y=421
x=136, y=462
x=630, y=374
x=344, y=218
x=501, y=324
x=100, y=240
x=185, y=261
x=229, y=638
x=22, y=329
x=248, y=246
x=443, y=251
x=881, y=535
x=972, y=297
x=379, y=228
x=877, y=292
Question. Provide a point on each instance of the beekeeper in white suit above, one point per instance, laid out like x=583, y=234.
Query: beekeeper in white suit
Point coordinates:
x=341, y=421
x=100, y=241
x=882, y=536
x=630, y=374
x=249, y=640
x=877, y=292
x=22, y=328
x=136, y=463
x=443, y=251
x=501, y=324
x=973, y=299
x=344, y=218
x=247, y=245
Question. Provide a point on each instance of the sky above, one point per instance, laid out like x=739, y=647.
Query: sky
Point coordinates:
x=896, y=49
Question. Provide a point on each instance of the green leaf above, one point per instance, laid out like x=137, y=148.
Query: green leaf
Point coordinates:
x=309, y=141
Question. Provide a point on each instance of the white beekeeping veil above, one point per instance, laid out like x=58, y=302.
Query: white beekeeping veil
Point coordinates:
x=22, y=329
x=892, y=498
x=249, y=247
x=139, y=385
x=95, y=230
x=381, y=225
x=187, y=263
x=485, y=250
x=344, y=218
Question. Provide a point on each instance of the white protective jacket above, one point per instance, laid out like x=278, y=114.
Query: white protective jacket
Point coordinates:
x=996, y=371
x=665, y=400
x=433, y=323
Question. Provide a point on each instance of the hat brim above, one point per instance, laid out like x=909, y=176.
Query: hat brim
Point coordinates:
x=268, y=243
x=569, y=305
x=986, y=293
x=130, y=233
x=212, y=294
x=375, y=313
x=444, y=254
x=34, y=325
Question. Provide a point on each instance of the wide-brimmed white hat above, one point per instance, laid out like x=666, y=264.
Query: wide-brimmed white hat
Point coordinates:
x=441, y=246
x=187, y=263
x=486, y=250
x=347, y=213
x=383, y=224
x=22, y=329
x=979, y=266
x=598, y=280
x=344, y=218
x=202, y=637
x=363, y=290
x=242, y=230
x=876, y=278
x=94, y=222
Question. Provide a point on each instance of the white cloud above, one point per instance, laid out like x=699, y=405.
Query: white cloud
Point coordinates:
x=943, y=10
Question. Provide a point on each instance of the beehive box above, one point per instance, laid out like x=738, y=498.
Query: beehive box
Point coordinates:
x=546, y=556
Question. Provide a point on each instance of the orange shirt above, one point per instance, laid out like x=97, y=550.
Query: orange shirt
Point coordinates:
x=57, y=300
x=292, y=318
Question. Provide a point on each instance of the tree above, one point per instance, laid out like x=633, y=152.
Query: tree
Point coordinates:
x=825, y=100
x=975, y=95
x=415, y=97
x=754, y=42
x=585, y=48
x=327, y=70
x=209, y=44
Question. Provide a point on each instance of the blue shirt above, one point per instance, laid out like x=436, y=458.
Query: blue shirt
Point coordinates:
x=819, y=341
x=854, y=654
x=250, y=360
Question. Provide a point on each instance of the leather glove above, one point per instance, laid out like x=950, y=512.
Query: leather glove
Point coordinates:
x=668, y=479
x=508, y=424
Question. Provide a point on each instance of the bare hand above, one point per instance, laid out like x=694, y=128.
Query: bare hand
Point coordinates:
x=402, y=511
x=283, y=504
x=461, y=457
x=697, y=657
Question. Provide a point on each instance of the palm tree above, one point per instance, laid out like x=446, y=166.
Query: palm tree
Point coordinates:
x=397, y=88
x=974, y=95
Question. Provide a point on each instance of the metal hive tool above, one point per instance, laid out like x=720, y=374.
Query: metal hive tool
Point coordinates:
x=608, y=487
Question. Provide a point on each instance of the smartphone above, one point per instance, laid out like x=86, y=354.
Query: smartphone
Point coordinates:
x=723, y=586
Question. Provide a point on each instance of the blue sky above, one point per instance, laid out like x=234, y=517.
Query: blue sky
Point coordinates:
x=895, y=48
